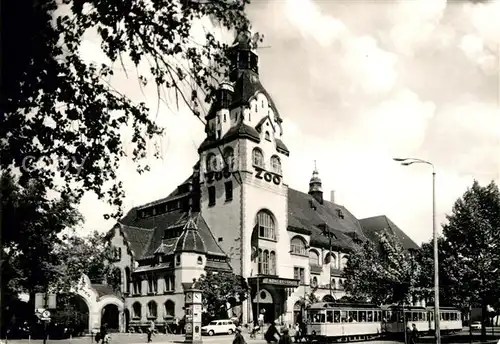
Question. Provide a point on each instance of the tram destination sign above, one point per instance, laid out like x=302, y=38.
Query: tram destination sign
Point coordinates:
x=281, y=282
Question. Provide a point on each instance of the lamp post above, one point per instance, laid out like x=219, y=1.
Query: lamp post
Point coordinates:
x=408, y=162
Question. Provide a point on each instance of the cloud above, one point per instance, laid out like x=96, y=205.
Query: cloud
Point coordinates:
x=356, y=84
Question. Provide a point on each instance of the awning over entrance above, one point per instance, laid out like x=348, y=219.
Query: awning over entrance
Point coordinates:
x=275, y=281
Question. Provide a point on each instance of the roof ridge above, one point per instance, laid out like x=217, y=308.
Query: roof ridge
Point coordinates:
x=141, y=228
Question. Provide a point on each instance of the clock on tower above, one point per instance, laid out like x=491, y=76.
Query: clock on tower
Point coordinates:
x=193, y=307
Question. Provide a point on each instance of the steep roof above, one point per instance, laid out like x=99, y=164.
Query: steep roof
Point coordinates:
x=246, y=87
x=146, y=235
x=307, y=216
x=377, y=224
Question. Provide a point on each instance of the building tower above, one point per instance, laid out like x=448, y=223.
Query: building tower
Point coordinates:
x=315, y=186
x=243, y=173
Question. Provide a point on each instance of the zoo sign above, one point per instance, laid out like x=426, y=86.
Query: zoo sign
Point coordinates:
x=267, y=176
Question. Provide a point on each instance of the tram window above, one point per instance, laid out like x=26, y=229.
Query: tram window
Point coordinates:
x=431, y=316
x=394, y=317
x=379, y=315
x=422, y=316
x=353, y=316
x=311, y=315
x=400, y=317
x=362, y=316
x=414, y=316
x=336, y=316
x=343, y=316
x=329, y=316
x=369, y=316
x=376, y=318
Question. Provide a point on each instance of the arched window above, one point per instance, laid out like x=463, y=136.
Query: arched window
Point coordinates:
x=268, y=136
x=314, y=282
x=265, y=262
x=343, y=262
x=136, y=309
x=229, y=158
x=266, y=225
x=298, y=246
x=331, y=259
x=257, y=157
x=152, y=309
x=200, y=260
x=211, y=162
x=117, y=277
x=169, y=309
x=276, y=164
x=313, y=257
x=272, y=263
x=127, y=279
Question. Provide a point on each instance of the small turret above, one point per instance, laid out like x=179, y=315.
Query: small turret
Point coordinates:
x=315, y=186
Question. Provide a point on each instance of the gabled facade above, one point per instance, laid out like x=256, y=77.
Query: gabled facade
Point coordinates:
x=237, y=213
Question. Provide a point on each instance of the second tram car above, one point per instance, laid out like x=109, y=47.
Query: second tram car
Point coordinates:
x=329, y=322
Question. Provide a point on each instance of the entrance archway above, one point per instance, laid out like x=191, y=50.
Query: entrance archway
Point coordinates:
x=265, y=302
x=75, y=311
x=111, y=317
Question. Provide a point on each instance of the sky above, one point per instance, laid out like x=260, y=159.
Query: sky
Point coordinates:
x=356, y=83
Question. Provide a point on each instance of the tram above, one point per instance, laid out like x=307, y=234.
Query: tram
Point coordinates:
x=334, y=321
x=331, y=322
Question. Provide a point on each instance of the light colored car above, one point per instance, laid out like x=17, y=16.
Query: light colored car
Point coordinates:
x=219, y=327
x=476, y=325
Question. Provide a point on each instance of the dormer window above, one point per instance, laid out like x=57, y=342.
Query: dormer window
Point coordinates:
x=340, y=214
x=257, y=158
x=268, y=136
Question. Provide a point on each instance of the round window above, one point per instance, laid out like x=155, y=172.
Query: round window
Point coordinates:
x=262, y=295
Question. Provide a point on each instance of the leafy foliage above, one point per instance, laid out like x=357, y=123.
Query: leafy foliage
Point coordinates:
x=382, y=273
x=30, y=228
x=309, y=298
x=471, y=245
x=62, y=117
x=90, y=255
x=221, y=288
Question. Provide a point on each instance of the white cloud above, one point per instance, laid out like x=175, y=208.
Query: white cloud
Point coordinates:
x=355, y=93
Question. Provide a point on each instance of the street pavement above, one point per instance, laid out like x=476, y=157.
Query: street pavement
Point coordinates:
x=127, y=338
x=123, y=338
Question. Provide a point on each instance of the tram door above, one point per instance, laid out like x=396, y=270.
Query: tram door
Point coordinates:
x=430, y=319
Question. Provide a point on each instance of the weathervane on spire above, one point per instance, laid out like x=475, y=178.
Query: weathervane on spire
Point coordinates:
x=315, y=167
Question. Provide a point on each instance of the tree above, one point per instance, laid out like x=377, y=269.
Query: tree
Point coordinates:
x=63, y=118
x=91, y=255
x=219, y=289
x=382, y=273
x=472, y=243
x=30, y=227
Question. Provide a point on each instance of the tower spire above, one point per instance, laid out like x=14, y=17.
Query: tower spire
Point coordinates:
x=315, y=185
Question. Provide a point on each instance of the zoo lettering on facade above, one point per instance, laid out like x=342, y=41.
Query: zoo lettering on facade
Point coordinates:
x=210, y=176
x=267, y=176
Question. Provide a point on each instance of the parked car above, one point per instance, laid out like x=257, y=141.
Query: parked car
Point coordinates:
x=476, y=325
x=219, y=327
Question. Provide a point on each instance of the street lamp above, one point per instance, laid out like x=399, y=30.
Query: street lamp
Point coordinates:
x=408, y=162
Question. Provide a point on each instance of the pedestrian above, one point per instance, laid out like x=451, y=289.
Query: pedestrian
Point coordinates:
x=238, y=337
x=272, y=335
x=285, y=337
x=103, y=334
x=414, y=334
x=151, y=331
